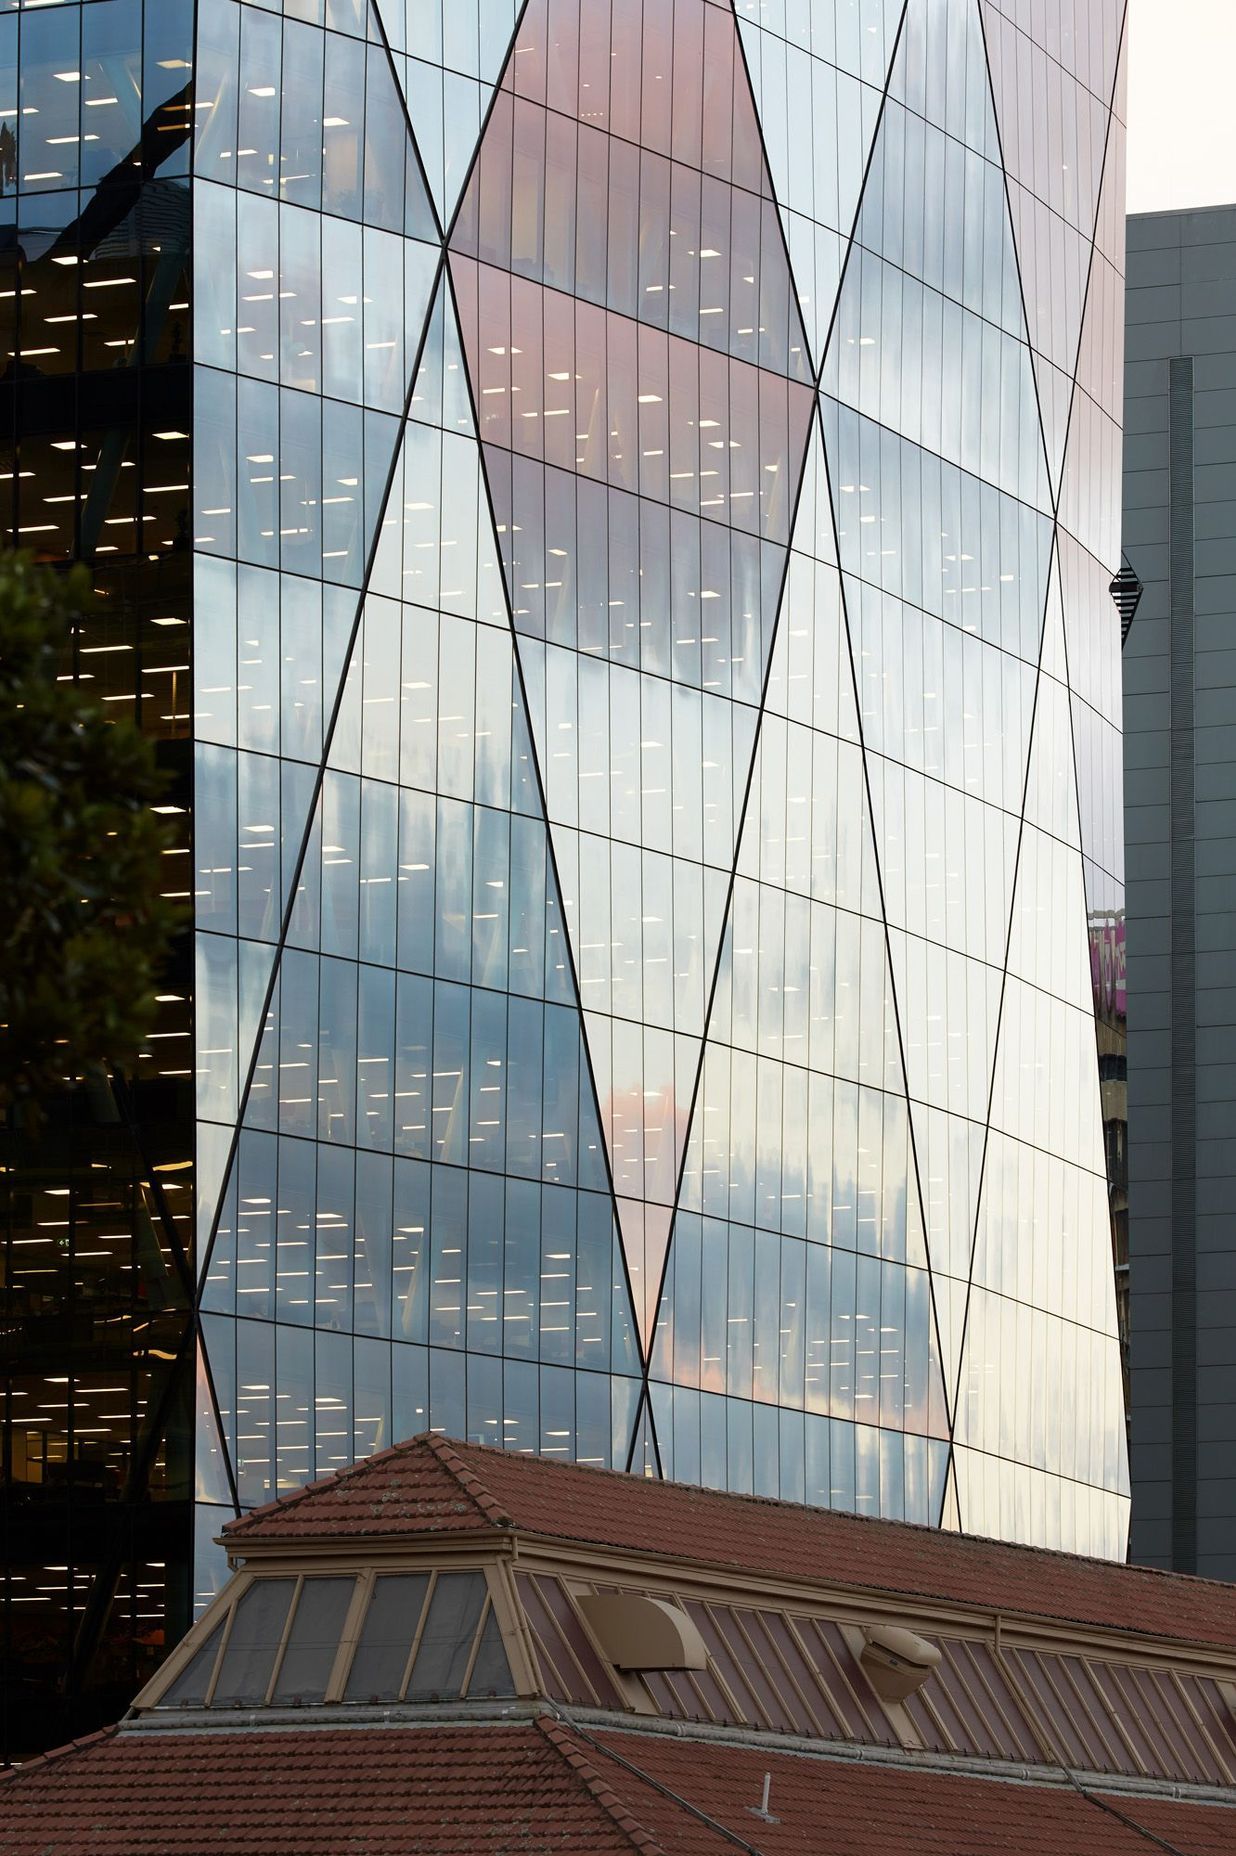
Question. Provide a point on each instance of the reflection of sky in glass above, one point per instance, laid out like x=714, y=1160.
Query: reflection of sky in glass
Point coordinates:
x=642, y=904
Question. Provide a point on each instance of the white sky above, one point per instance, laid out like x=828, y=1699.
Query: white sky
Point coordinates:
x=1182, y=124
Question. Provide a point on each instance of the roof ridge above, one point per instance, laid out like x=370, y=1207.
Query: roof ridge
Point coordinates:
x=568, y=1747
x=282, y=1503
x=444, y=1450
x=59, y=1752
x=922, y=1530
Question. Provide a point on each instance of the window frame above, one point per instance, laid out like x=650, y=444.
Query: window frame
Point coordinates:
x=223, y=1608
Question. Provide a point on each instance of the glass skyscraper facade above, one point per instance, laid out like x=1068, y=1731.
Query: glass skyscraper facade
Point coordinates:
x=96, y=1284
x=655, y=721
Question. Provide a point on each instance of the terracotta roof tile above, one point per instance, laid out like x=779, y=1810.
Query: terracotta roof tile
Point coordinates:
x=431, y=1484
x=546, y=1788
x=488, y=1791
x=830, y=1808
x=415, y=1487
x=581, y=1760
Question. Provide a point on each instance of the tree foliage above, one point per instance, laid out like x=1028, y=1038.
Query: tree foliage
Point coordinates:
x=84, y=929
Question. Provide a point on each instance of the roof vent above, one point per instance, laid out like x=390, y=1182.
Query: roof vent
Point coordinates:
x=896, y=1662
x=1126, y=590
x=637, y=1632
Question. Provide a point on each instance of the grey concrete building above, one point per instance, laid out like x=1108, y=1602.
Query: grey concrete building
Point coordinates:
x=1180, y=817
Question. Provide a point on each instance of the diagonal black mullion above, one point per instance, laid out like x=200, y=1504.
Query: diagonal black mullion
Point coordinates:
x=122, y=1091
x=1051, y=566
x=616, y=1224
x=375, y=12
x=851, y=246
x=212, y=1394
x=152, y=1434
x=1021, y=282
x=646, y=1362
x=755, y=740
x=1004, y=974
x=507, y=59
x=1063, y=461
x=733, y=876
x=1021, y=824
x=772, y=190
x=328, y=737
x=760, y=712
x=320, y=773
x=1081, y=332
x=888, y=946
x=644, y=1411
x=852, y=242
x=551, y=853
x=950, y=1410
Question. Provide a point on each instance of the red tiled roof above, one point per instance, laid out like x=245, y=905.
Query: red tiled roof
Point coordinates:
x=433, y=1484
x=421, y=1486
x=438, y=1791
x=544, y=1788
x=830, y=1808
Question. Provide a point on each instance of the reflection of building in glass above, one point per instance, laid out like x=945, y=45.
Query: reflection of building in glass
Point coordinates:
x=654, y=720
x=1180, y=783
x=1107, y=978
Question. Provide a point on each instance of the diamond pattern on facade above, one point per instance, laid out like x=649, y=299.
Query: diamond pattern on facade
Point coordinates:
x=728, y=479
x=447, y=65
x=837, y=71
x=1067, y=1336
x=642, y=385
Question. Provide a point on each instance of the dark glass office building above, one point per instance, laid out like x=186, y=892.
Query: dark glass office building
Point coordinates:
x=1180, y=813
x=96, y=1284
x=648, y=726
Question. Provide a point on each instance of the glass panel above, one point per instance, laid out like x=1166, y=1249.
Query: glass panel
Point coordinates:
x=491, y=1672
x=257, y=1630
x=189, y=1688
x=314, y=1639
x=386, y=1638
x=446, y=1644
